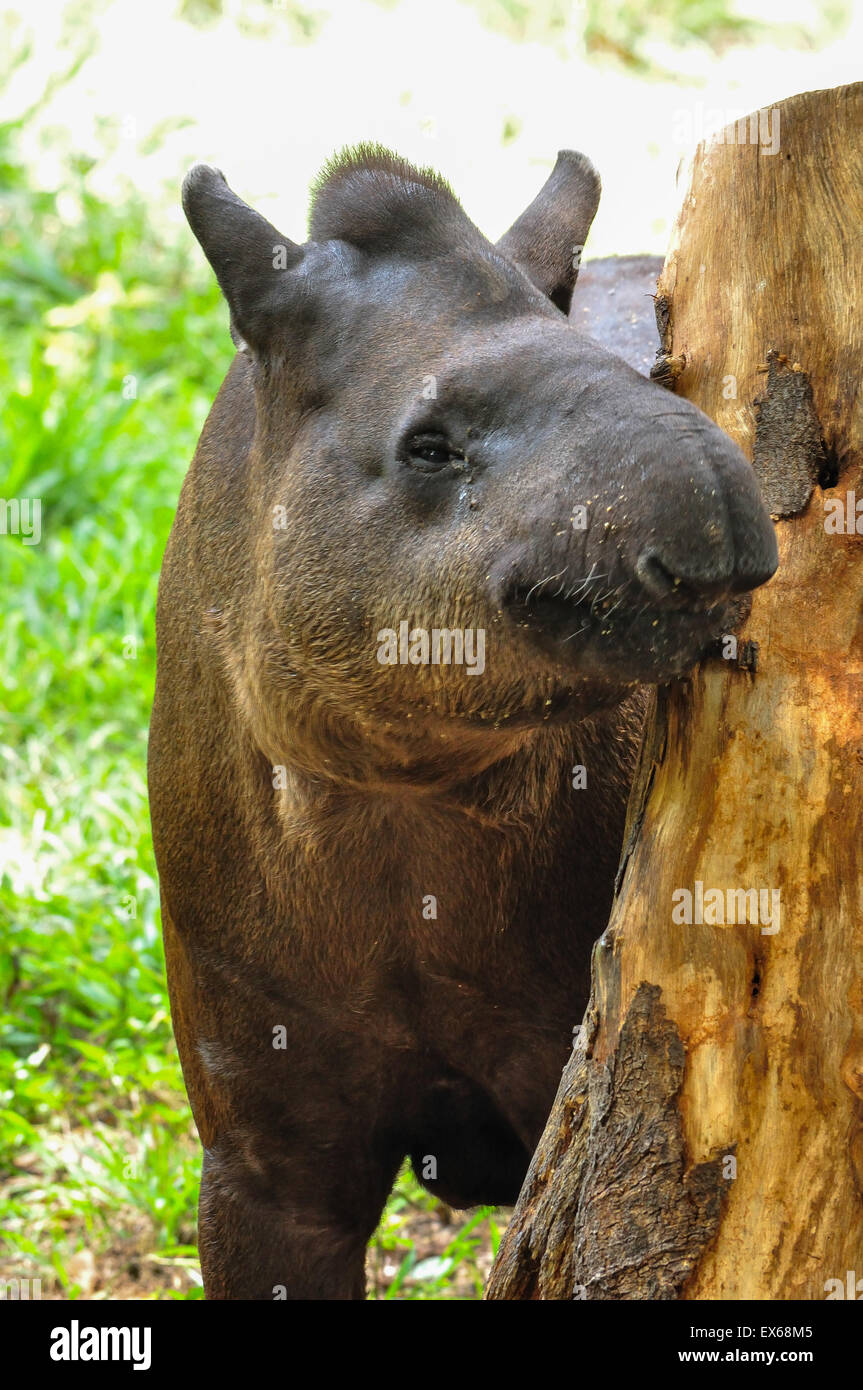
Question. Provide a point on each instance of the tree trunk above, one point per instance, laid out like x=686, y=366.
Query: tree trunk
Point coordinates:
x=707, y=1138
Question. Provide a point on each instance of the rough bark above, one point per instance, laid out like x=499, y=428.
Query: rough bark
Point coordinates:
x=707, y=1137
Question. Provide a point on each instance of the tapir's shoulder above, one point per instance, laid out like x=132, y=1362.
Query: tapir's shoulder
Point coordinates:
x=219, y=468
x=613, y=303
x=205, y=548
x=230, y=425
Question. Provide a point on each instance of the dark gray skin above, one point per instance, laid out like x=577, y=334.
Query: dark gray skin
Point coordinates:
x=300, y=907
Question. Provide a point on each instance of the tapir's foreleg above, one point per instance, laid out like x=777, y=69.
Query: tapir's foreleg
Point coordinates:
x=298, y=1156
x=268, y=1235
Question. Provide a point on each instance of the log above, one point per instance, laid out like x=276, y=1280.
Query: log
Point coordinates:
x=707, y=1137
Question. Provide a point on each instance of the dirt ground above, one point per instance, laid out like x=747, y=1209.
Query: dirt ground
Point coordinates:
x=127, y=1270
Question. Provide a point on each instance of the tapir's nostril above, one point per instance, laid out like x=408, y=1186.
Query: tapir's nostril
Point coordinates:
x=676, y=585
x=685, y=581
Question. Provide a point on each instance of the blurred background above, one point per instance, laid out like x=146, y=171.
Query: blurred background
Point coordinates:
x=114, y=342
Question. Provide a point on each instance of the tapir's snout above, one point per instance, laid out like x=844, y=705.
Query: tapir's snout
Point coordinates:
x=710, y=536
x=670, y=535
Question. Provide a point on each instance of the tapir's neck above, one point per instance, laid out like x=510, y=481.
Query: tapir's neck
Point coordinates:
x=517, y=788
x=546, y=819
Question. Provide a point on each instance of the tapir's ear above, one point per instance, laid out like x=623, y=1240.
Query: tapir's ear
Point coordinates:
x=548, y=238
x=250, y=258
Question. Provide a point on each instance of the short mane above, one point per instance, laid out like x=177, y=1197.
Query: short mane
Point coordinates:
x=374, y=199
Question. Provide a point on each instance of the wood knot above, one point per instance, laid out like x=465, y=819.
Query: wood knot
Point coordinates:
x=852, y=1069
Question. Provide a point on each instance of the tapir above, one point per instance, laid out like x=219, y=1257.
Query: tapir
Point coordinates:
x=383, y=860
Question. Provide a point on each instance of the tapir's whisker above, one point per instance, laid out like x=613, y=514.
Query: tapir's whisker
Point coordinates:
x=574, y=593
x=548, y=579
x=621, y=589
x=577, y=633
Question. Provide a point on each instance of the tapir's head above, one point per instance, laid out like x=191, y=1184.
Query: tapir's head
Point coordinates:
x=438, y=448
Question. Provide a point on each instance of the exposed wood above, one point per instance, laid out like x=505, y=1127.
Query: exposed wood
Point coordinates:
x=707, y=1138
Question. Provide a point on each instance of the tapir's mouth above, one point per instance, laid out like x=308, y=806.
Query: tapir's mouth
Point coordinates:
x=622, y=635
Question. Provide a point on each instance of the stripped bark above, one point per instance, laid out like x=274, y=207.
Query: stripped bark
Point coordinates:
x=707, y=1137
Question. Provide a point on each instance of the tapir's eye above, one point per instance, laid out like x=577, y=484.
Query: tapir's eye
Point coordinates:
x=431, y=451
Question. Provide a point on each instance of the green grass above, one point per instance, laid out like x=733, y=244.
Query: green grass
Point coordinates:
x=115, y=342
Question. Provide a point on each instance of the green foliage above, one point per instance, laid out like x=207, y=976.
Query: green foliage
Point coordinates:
x=115, y=342
x=94, y=1128
x=459, y=1268
x=624, y=29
